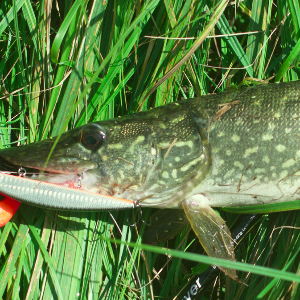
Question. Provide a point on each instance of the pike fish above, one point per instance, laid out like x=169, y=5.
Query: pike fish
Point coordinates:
x=234, y=148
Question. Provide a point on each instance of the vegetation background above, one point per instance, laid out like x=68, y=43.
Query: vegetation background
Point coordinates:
x=66, y=63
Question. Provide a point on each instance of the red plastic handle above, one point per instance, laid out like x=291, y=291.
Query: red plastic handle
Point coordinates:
x=8, y=207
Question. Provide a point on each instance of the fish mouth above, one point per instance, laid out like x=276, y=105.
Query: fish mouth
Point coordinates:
x=68, y=179
x=61, y=170
x=14, y=169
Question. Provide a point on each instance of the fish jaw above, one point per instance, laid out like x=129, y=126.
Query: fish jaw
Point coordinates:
x=51, y=156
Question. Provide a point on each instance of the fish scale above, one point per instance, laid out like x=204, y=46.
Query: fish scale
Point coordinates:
x=235, y=148
x=259, y=153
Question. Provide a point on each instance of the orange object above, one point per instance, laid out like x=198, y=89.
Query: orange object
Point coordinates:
x=8, y=207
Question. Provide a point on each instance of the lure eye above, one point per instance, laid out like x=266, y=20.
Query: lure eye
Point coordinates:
x=92, y=137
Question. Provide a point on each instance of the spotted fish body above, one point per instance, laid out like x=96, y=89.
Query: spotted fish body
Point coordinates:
x=230, y=149
x=255, y=147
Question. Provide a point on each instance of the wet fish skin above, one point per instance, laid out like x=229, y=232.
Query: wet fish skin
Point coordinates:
x=230, y=149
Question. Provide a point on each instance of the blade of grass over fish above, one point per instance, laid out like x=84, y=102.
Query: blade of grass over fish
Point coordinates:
x=273, y=273
x=202, y=280
x=68, y=108
x=181, y=86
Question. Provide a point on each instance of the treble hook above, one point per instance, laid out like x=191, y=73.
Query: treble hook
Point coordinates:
x=140, y=216
x=79, y=181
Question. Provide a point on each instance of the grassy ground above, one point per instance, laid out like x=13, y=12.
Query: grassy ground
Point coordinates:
x=66, y=63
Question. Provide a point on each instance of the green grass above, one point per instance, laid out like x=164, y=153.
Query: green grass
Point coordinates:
x=84, y=61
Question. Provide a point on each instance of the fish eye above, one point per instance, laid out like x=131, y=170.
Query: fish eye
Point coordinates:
x=92, y=137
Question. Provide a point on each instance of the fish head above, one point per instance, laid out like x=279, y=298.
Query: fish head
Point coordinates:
x=156, y=158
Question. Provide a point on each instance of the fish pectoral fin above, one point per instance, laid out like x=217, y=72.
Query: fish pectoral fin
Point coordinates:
x=164, y=225
x=211, y=230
